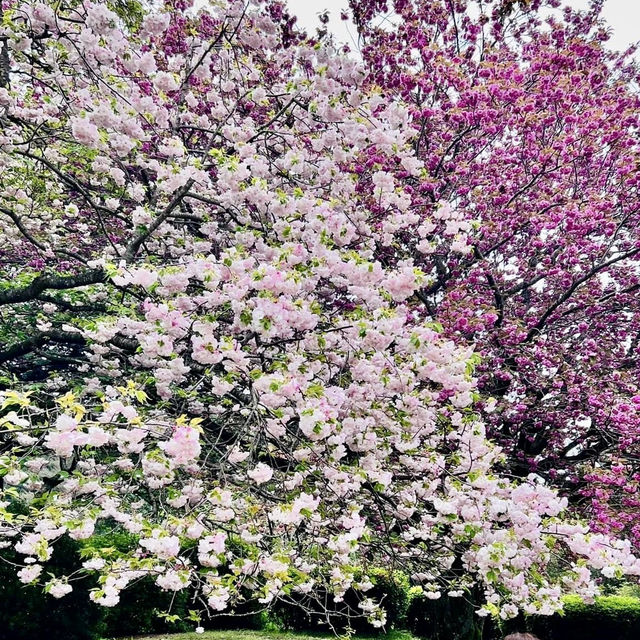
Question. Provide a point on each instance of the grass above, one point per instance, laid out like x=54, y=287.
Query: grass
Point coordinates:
x=259, y=635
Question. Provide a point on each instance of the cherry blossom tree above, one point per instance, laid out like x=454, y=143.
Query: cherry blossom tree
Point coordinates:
x=214, y=328
x=528, y=129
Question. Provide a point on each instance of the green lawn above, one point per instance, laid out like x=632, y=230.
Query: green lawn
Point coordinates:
x=256, y=635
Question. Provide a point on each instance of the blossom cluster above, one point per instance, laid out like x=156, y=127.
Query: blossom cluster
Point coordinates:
x=256, y=396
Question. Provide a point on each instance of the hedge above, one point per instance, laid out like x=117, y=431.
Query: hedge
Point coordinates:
x=27, y=613
x=615, y=617
x=443, y=619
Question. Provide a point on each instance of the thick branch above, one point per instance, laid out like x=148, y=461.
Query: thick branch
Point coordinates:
x=23, y=230
x=35, y=342
x=42, y=283
x=5, y=63
x=137, y=241
x=570, y=291
x=497, y=294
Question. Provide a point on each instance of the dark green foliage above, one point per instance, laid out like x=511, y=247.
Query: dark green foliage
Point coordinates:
x=443, y=619
x=234, y=621
x=611, y=617
x=391, y=588
x=142, y=603
x=139, y=609
x=296, y=613
x=27, y=613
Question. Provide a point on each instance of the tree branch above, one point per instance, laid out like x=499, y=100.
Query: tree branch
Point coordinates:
x=35, y=342
x=136, y=243
x=42, y=283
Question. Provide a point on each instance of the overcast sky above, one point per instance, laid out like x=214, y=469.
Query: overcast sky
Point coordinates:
x=622, y=15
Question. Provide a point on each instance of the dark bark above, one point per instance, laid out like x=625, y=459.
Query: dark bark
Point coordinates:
x=42, y=283
x=39, y=340
x=5, y=63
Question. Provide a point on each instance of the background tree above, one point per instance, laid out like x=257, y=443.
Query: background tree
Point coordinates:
x=528, y=127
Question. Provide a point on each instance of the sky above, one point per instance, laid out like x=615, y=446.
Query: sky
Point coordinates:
x=622, y=15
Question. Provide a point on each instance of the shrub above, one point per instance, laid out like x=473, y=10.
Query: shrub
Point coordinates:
x=628, y=590
x=442, y=619
x=27, y=613
x=616, y=617
x=294, y=614
x=142, y=602
x=391, y=588
x=139, y=608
